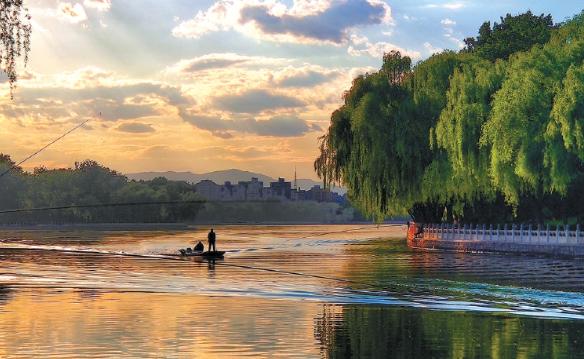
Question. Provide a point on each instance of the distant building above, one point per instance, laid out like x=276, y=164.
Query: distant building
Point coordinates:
x=209, y=190
x=298, y=195
x=281, y=189
x=318, y=194
x=254, y=190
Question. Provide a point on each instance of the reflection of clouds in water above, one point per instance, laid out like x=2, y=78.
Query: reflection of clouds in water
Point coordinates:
x=147, y=325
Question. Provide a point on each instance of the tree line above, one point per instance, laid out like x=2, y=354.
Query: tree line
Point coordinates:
x=90, y=183
x=493, y=132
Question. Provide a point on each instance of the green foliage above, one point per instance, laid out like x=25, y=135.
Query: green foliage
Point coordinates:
x=494, y=129
x=89, y=183
x=511, y=35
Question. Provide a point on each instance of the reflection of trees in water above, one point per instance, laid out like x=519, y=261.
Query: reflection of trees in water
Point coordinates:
x=5, y=294
x=385, y=332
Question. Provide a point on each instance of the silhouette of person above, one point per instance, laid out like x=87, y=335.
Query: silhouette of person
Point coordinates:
x=199, y=247
x=211, y=237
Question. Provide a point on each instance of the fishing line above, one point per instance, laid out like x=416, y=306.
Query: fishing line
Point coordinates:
x=170, y=258
x=201, y=201
x=344, y=231
x=10, y=168
x=376, y=286
x=77, y=206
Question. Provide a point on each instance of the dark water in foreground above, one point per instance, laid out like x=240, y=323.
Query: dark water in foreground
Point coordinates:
x=297, y=291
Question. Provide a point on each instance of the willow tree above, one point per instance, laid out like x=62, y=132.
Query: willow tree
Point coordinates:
x=460, y=171
x=480, y=132
x=365, y=149
x=527, y=153
x=15, y=31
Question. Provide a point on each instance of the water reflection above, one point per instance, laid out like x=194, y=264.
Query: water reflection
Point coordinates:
x=61, y=324
x=5, y=294
x=385, y=332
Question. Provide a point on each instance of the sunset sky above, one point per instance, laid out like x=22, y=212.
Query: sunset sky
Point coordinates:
x=202, y=85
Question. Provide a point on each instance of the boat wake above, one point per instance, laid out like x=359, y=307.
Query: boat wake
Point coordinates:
x=276, y=283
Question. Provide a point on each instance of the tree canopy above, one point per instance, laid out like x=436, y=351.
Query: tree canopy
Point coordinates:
x=90, y=183
x=493, y=132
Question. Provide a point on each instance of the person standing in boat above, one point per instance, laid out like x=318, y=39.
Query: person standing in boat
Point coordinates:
x=212, y=237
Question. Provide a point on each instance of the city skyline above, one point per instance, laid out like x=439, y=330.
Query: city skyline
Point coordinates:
x=211, y=85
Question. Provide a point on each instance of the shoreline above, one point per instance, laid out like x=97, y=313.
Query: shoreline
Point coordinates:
x=521, y=240
x=166, y=226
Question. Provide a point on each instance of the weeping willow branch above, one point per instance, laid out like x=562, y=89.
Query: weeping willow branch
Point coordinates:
x=15, y=31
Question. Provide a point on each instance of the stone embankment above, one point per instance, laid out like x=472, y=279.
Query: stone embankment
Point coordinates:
x=523, y=239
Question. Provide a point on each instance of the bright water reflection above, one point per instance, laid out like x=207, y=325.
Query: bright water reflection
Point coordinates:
x=298, y=291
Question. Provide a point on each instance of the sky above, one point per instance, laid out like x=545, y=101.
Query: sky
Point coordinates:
x=203, y=85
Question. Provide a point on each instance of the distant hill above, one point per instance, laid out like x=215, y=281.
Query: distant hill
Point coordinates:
x=220, y=177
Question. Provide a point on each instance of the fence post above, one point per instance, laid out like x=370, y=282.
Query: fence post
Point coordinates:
x=567, y=231
x=557, y=233
x=578, y=234
x=529, y=234
x=547, y=233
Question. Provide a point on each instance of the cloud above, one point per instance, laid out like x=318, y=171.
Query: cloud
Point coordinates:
x=223, y=60
x=306, y=21
x=100, y=5
x=377, y=50
x=447, y=6
x=254, y=101
x=448, y=22
x=135, y=127
x=280, y=126
x=431, y=49
x=330, y=25
x=71, y=13
x=448, y=26
x=85, y=94
x=309, y=78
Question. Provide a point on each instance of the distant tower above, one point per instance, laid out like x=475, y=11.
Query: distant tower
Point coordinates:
x=295, y=180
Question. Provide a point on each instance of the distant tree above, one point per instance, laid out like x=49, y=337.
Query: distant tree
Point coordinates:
x=90, y=183
x=15, y=30
x=396, y=66
x=512, y=34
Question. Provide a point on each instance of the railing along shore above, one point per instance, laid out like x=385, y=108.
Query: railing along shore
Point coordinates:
x=561, y=240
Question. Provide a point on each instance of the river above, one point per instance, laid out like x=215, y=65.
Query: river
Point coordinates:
x=287, y=291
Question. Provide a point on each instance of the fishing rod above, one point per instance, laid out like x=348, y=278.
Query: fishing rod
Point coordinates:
x=10, y=168
x=152, y=203
x=101, y=205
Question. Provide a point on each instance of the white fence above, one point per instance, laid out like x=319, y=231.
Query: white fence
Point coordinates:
x=506, y=233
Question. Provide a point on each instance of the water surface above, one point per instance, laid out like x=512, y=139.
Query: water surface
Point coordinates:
x=297, y=291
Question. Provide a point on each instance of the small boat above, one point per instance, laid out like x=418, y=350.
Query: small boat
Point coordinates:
x=189, y=252
x=213, y=254
x=209, y=254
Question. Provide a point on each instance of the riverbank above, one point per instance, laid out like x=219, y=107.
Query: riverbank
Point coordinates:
x=174, y=226
x=560, y=242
